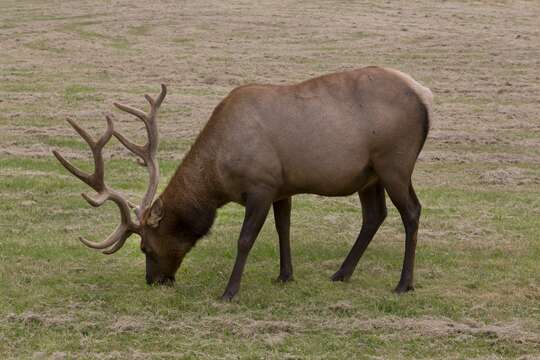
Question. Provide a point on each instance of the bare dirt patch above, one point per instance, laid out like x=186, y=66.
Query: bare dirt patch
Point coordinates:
x=508, y=176
x=42, y=319
x=251, y=327
x=128, y=324
x=400, y=328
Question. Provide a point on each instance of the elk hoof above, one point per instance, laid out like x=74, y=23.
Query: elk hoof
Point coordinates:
x=401, y=288
x=283, y=278
x=340, y=276
x=227, y=296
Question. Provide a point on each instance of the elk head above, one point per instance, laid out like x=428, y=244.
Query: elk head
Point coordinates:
x=163, y=249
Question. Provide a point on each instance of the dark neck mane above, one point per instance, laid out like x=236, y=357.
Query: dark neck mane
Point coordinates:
x=190, y=200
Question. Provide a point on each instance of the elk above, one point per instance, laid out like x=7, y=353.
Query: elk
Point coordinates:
x=358, y=131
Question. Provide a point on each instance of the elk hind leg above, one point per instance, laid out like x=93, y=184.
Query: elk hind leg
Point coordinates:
x=401, y=192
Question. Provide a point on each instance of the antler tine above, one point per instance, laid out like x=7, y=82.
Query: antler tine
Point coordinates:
x=149, y=99
x=136, y=112
x=81, y=132
x=117, y=245
x=92, y=180
x=99, y=164
x=104, y=139
x=149, y=121
x=134, y=148
x=79, y=174
x=127, y=227
x=120, y=232
x=155, y=104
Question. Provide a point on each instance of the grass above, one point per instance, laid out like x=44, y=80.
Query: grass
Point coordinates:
x=80, y=298
x=80, y=29
x=477, y=271
x=140, y=30
x=43, y=46
x=78, y=93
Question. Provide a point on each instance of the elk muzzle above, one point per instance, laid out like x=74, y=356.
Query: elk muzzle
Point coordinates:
x=159, y=273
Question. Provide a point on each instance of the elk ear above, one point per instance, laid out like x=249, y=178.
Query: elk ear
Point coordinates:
x=156, y=213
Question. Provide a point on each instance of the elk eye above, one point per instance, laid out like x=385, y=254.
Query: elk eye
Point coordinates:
x=148, y=252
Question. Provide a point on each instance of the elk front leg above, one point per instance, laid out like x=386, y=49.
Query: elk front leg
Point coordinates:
x=282, y=217
x=257, y=207
x=373, y=215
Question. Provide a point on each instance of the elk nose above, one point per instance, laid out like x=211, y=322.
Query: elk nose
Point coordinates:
x=149, y=279
x=166, y=280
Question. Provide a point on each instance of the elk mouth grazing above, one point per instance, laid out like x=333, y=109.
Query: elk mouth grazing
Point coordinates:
x=161, y=280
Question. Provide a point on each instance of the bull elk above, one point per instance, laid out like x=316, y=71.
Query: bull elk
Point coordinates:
x=356, y=131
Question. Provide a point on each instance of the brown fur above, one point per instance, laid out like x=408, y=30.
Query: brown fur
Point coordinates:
x=356, y=131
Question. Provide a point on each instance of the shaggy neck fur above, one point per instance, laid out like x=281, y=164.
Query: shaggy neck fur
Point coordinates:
x=189, y=199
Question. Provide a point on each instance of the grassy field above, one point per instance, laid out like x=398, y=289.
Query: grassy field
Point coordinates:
x=478, y=178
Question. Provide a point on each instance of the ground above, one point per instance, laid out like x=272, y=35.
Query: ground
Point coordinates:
x=478, y=270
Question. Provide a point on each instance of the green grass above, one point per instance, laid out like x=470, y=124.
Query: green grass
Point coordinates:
x=43, y=45
x=80, y=29
x=140, y=30
x=183, y=41
x=79, y=294
x=15, y=87
x=78, y=93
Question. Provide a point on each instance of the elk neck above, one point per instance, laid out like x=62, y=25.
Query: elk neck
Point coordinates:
x=191, y=198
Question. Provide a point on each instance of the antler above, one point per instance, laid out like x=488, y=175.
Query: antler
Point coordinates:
x=96, y=181
x=146, y=152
